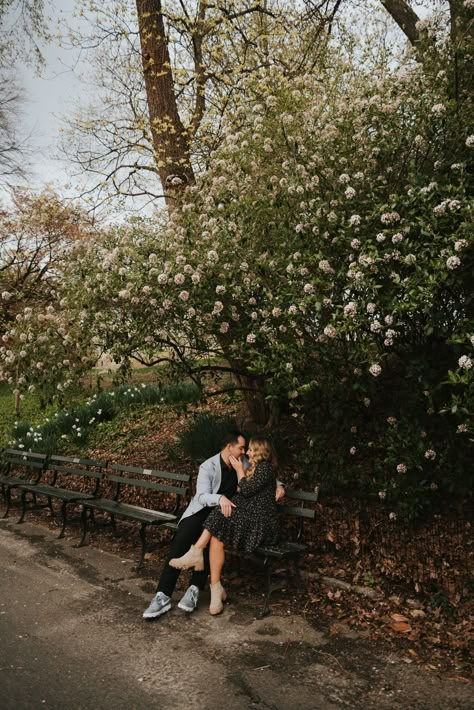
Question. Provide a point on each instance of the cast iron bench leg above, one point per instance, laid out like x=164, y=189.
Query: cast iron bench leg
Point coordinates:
x=83, y=526
x=8, y=500
x=64, y=519
x=268, y=588
x=23, y=507
x=143, y=539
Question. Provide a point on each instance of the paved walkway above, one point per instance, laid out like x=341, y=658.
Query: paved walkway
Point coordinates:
x=72, y=637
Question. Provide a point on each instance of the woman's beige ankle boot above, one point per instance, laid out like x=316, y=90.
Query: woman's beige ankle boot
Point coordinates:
x=218, y=596
x=194, y=557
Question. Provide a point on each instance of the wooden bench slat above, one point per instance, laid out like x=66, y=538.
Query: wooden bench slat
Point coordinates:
x=298, y=512
x=302, y=495
x=185, y=478
x=75, y=460
x=77, y=471
x=151, y=485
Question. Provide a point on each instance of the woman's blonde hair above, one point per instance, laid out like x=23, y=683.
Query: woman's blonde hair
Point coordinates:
x=263, y=451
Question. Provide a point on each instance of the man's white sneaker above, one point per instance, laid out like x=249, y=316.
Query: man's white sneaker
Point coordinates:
x=190, y=600
x=159, y=605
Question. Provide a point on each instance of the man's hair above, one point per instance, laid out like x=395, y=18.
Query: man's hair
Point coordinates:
x=231, y=437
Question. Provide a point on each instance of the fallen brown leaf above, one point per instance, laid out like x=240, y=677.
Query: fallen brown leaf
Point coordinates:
x=400, y=627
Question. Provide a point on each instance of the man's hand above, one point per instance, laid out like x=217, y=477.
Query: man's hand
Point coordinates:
x=226, y=506
x=280, y=492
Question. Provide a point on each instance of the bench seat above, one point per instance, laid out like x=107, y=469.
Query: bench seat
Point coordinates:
x=64, y=471
x=133, y=512
x=282, y=550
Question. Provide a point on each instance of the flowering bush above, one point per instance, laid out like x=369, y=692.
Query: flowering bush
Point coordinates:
x=326, y=258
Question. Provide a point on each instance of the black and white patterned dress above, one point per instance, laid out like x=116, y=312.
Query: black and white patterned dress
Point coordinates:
x=254, y=520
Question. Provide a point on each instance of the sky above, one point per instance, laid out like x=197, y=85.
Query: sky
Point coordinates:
x=48, y=95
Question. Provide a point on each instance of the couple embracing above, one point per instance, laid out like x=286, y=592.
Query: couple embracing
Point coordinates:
x=234, y=506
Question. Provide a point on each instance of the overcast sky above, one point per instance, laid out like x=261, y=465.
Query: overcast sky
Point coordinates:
x=49, y=95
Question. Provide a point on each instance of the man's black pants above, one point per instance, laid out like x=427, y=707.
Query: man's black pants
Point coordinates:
x=188, y=532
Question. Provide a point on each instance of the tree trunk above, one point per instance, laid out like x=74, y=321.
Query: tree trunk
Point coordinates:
x=170, y=139
x=462, y=42
x=404, y=16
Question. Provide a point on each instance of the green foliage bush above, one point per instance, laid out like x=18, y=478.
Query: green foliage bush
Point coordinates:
x=203, y=437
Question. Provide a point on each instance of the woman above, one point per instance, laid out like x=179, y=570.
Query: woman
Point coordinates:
x=254, y=520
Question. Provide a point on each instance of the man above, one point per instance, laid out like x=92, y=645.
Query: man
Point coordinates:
x=216, y=485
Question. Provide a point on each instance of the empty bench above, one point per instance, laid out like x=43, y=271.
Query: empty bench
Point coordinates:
x=71, y=481
x=297, y=510
x=18, y=468
x=166, y=499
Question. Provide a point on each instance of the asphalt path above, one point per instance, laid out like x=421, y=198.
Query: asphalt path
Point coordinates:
x=72, y=637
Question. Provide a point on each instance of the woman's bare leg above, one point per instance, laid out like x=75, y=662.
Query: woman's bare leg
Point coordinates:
x=216, y=559
x=204, y=539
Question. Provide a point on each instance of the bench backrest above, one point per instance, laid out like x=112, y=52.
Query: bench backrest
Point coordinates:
x=176, y=485
x=24, y=464
x=300, y=507
x=64, y=466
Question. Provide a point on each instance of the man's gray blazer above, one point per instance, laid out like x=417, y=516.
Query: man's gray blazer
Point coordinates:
x=208, y=483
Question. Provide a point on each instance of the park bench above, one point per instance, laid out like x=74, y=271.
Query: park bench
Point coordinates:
x=72, y=480
x=295, y=513
x=166, y=499
x=19, y=467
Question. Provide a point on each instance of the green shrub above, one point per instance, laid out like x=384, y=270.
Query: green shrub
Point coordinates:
x=203, y=437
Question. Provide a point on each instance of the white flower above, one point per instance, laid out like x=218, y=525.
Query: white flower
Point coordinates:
x=392, y=516
x=251, y=338
x=212, y=256
x=470, y=139
x=460, y=244
x=6, y=296
x=397, y=238
x=353, y=450
x=380, y=237
x=218, y=307
x=354, y=220
x=453, y=262
x=462, y=429
x=179, y=279
x=430, y=455
x=224, y=327
x=438, y=109
x=325, y=266
x=350, y=309
x=382, y=495
x=308, y=288
x=375, y=369
x=465, y=362
x=220, y=290
x=401, y=468
x=191, y=312
x=344, y=178
x=195, y=278
x=371, y=308
x=330, y=331
x=350, y=193
x=389, y=217
x=355, y=244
